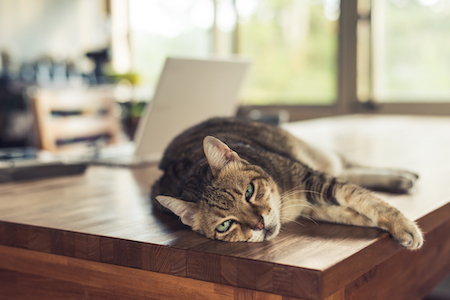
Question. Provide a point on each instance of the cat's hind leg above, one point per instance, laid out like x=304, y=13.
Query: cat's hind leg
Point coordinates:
x=380, y=179
x=336, y=165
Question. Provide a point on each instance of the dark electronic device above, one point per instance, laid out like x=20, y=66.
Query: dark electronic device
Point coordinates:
x=16, y=170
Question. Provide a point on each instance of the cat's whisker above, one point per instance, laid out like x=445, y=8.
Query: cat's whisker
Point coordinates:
x=290, y=192
x=302, y=204
x=287, y=209
x=299, y=223
x=296, y=222
x=310, y=219
x=295, y=190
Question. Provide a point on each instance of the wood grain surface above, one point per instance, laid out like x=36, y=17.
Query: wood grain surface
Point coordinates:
x=56, y=275
x=105, y=217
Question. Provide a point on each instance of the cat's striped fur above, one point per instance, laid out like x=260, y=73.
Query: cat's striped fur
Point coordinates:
x=238, y=180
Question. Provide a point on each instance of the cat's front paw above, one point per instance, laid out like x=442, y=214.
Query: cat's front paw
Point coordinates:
x=408, y=234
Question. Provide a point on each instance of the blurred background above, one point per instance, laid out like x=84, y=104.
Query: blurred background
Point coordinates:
x=311, y=58
x=73, y=72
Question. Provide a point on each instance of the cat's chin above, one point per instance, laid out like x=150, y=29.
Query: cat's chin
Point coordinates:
x=265, y=234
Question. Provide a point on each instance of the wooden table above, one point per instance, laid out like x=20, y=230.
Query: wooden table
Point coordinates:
x=96, y=236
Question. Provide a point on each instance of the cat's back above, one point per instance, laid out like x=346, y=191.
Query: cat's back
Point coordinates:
x=235, y=132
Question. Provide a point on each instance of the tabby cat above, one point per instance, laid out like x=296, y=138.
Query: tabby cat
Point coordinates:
x=238, y=180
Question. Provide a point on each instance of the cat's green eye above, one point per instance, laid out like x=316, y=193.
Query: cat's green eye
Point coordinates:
x=249, y=192
x=224, y=226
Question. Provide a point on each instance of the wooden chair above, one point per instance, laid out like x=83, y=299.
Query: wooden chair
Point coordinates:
x=68, y=118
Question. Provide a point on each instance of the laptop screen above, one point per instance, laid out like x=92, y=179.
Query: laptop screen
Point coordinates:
x=188, y=91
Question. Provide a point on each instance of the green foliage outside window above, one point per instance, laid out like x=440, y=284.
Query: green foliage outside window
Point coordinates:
x=294, y=51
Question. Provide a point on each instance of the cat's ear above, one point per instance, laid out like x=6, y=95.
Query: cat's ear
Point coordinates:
x=218, y=154
x=185, y=210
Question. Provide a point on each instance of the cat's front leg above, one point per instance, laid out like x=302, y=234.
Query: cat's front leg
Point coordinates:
x=381, y=213
x=406, y=232
x=346, y=203
x=401, y=229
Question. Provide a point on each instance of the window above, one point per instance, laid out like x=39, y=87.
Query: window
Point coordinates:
x=411, y=54
x=167, y=27
x=312, y=57
x=293, y=45
x=404, y=56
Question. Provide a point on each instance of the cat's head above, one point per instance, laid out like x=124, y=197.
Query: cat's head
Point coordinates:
x=240, y=203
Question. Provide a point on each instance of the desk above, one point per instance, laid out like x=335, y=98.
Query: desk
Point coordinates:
x=96, y=236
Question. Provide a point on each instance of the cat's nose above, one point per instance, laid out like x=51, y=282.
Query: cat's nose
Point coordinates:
x=260, y=225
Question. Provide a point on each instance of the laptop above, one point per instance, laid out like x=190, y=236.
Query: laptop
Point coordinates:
x=188, y=91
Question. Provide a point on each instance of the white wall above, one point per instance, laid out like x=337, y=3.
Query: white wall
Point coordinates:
x=62, y=29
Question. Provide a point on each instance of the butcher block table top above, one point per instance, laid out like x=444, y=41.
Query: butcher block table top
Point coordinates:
x=96, y=235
